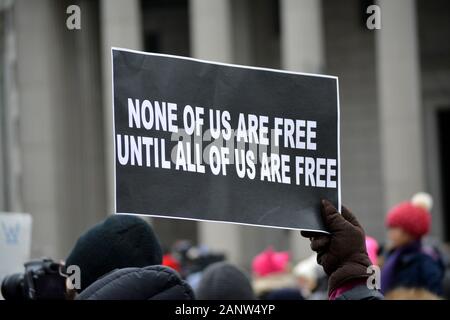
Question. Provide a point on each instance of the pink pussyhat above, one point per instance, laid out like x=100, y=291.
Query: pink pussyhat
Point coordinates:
x=372, y=249
x=270, y=261
x=412, y=216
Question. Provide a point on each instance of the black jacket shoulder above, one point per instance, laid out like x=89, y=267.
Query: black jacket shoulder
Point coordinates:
x=149, y=283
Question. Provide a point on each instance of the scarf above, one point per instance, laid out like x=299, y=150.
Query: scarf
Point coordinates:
x=389, y=268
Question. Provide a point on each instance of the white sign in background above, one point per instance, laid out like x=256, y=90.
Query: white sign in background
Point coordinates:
x=15, y=242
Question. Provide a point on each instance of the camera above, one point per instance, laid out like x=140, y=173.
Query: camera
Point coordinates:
x=42, y=280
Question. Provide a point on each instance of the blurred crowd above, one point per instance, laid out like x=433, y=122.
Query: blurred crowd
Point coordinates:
x=121, y=258
x=411, y=266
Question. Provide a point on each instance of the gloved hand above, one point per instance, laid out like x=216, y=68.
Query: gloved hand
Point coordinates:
x=342, y=253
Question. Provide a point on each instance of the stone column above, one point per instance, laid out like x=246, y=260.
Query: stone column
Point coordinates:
x=211, y=30
x=10, y=159
x=120, y=27
x=399, y=101
x=58, y=85
x=301, y=50
x=301, y=35
x=211, y=38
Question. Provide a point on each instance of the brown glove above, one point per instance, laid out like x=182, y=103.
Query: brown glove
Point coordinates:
x=343, y=253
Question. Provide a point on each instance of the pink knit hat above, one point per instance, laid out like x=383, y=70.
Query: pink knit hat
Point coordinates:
x=372, y=249
x=270, y=261
x=412, y=216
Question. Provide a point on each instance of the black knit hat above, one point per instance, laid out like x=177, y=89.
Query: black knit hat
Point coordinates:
x=223, y=281
x=120, y=241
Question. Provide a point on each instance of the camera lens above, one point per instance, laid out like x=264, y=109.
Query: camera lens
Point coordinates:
x=12, y=287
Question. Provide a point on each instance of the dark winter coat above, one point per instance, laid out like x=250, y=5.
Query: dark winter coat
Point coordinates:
x=415, y=267
x=149, y=283
x=361, y=292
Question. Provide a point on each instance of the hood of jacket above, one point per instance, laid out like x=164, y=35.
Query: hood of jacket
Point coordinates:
x=148, y=283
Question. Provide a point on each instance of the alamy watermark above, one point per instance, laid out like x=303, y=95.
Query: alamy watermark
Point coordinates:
x=374, y=280
x=373, y=22
x=73, y=275
x=73, y=21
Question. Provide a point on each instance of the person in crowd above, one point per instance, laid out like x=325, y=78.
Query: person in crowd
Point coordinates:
x=180, y=251
x=148, y=283
x=411, y=294
x=372, y=249
x=271, y=272
x=120, y=241
x=193, y=259
x=311, y=278
x=224, y=281
x=201, y=257
x=343, y=255
x=409, y=263
x=170, y=261
x=320, y=292
x=118, y=260
x=446, y=284
x=284, y=294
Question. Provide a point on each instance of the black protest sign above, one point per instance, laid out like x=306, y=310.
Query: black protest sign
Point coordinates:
x=209, y=141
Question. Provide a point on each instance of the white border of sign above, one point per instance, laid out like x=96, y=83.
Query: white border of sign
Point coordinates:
x=229, y=65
